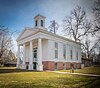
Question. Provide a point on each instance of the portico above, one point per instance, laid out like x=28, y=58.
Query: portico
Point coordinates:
x=31, y=59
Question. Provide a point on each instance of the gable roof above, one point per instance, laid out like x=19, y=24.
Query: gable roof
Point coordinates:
x=58, y=36
x=36, y=30
x=24, y=32
x=39, y=15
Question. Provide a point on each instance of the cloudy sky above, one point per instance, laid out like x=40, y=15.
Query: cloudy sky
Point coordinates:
x=17, y=14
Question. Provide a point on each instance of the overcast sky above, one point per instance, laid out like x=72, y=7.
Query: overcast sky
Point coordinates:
x=17, y=14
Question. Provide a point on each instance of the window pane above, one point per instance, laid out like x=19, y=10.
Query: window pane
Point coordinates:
x=35, y=50
x=71, y=53
x=56, y=45
x=56, y=53
x=35, y=55
x=77, y=55
x=56, y=50
x=64, y=51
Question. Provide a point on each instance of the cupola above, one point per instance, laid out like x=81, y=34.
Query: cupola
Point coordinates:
x=39, y=21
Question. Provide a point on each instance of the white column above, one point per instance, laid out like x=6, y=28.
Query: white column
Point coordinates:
x=18, y=58
x=31, y=56
x=39, y=57
x=24, y=56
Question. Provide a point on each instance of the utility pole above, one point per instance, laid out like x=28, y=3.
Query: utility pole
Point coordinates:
x=54, y=26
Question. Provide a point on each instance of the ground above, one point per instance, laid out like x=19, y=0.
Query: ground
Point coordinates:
x=12, y=78
x=86, y=70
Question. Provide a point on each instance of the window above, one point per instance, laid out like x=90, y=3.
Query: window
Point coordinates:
x=56, y=45
x=56, y=50
x=64, y=51
x=36, y=23
x=56, y=53
x=71, y=53
x=35, y=53
x=42, y=23
x=77, y=55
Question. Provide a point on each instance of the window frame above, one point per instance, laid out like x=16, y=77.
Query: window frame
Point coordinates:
x=34, y=49
x=56, y=50
x=64, y=51
x=71, y=54
x=77, y=55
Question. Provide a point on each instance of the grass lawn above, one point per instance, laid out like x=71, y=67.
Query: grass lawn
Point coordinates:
x=87, y=70
x=12, y=78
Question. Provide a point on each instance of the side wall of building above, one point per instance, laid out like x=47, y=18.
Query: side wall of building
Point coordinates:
x=69, y=46
x=61, y=62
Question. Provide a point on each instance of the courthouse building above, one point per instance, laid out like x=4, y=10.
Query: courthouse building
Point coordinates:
x=43, y=50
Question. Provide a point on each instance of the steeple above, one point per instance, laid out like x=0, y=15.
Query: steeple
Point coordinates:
x=39, y=21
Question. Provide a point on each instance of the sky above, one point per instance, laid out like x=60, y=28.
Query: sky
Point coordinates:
x=18, y=14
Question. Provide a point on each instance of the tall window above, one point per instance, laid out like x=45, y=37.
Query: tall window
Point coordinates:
x=56, y=50
x=71, y=53
x=64, y=51
x=36, y=23
x=35, y=53
x=42, y=23
x=77, y=55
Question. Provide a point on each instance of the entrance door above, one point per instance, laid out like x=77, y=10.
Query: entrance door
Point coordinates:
x=34, y=65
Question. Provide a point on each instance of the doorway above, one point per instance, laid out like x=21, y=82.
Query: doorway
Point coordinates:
x=34, y=65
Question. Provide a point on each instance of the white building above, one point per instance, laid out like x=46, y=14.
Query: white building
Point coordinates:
x=43, y=50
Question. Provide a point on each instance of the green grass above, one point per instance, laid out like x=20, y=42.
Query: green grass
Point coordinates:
x=12, y=78
x=86, y=70
x=89, y=70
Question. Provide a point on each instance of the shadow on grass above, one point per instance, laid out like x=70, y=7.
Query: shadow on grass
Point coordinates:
x=15, y=70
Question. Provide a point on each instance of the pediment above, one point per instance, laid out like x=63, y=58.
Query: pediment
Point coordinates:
x=25, y=33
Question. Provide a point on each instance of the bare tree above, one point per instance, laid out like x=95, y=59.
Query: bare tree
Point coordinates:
x=96, y=30
x=89, y=47
x=96, y=11
x=54, y=26
x=5, y=40
x=77, y=24
x=11, y=56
